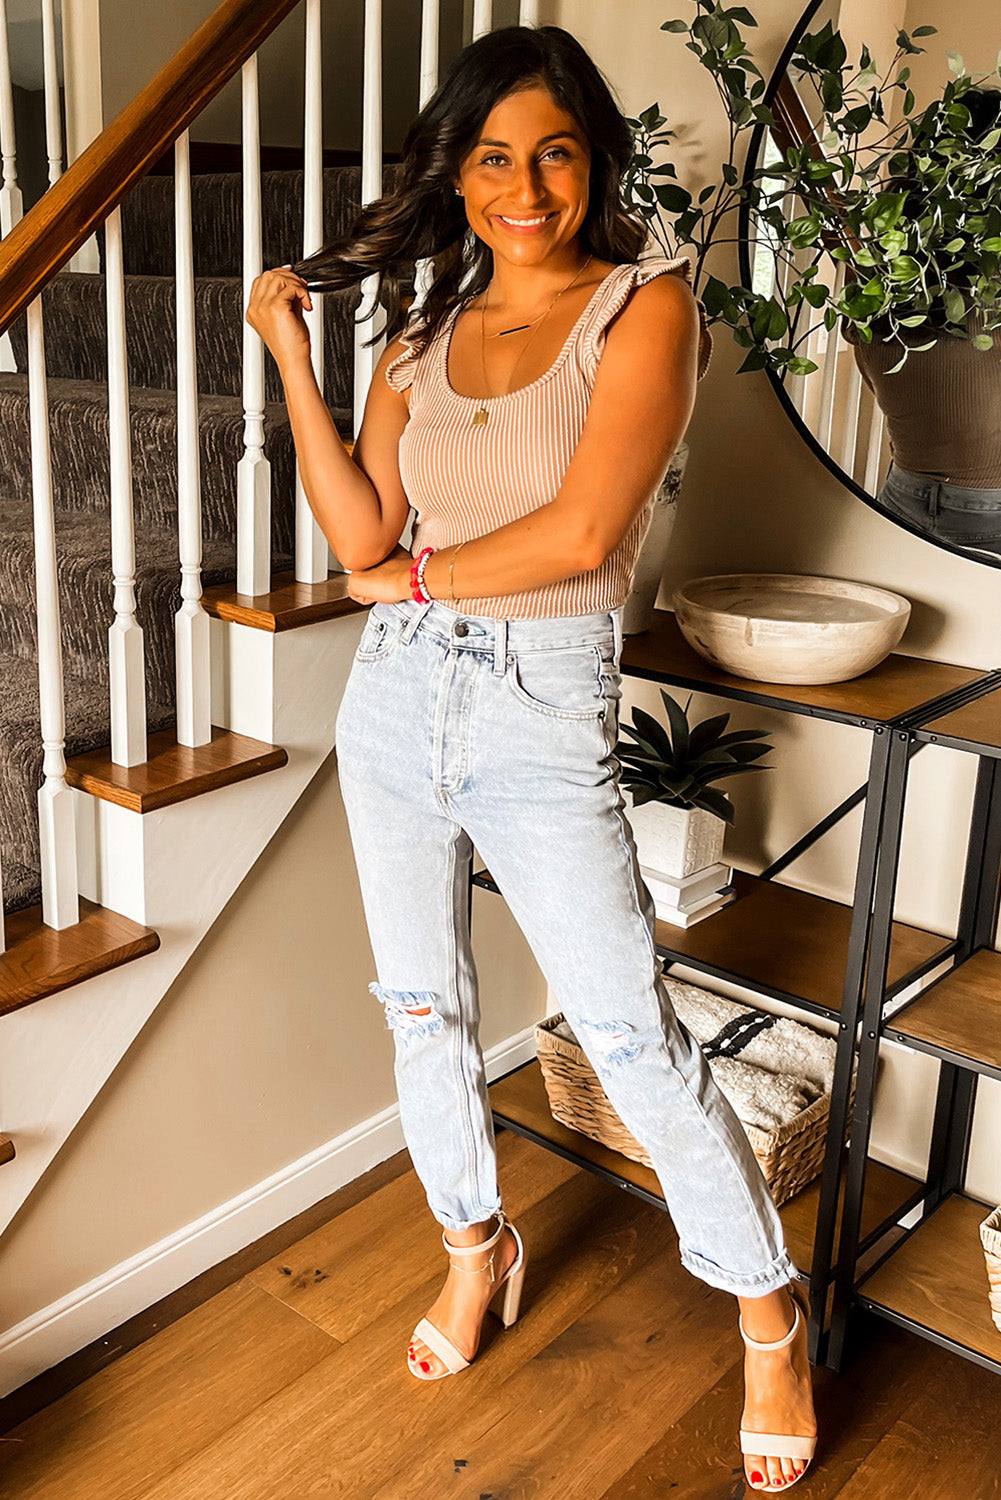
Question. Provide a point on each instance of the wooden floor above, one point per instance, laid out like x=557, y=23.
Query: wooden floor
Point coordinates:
x=620, y=1381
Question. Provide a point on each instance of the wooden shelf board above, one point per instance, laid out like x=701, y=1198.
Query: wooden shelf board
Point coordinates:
x=521, y=1098
x=937, y=1277
x=788, y=941
x=978, y=723
x=39, y=960
x=289, y=604
x=899, y=684
x=6, y=1149
x=173, y=772
x=960, y=1012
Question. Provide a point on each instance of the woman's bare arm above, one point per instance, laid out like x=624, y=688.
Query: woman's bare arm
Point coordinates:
x=640, y=407
x=358, y=500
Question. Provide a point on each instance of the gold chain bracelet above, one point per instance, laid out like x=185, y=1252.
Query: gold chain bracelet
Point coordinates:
x=451, y=566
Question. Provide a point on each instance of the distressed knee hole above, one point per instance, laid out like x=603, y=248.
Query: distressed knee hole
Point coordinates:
x=610, y=1042
x=410, y=1013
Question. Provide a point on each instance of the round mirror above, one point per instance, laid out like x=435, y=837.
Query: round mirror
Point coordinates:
x=909, y=418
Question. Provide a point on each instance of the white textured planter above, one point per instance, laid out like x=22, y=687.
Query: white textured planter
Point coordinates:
x=676, y=841
x=649, y=570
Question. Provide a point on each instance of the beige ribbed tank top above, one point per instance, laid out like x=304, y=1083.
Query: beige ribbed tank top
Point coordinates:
x=465, y=481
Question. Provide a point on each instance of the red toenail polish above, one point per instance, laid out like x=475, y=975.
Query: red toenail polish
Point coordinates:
x=757, y=1478
x=425, y=1365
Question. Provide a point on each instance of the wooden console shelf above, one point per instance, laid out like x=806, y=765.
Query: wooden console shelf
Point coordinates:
x=937, y=1279
x=897, y=686
x=783, y=942
x=959, y=1014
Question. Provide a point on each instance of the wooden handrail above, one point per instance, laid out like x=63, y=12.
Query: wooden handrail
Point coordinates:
x=95, y=184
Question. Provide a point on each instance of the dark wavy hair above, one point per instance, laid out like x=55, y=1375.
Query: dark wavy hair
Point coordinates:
x=424, y=218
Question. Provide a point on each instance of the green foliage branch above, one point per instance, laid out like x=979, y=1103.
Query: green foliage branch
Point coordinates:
x=913, y=209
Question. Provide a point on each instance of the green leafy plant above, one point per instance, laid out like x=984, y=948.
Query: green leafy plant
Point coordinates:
x=913, y=210
x=680, y=763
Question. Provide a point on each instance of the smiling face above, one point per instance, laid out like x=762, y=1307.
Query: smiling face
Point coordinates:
x=526, y=181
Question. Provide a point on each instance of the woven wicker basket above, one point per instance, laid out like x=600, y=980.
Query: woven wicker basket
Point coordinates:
x=790, y=1156
x=990, y=1237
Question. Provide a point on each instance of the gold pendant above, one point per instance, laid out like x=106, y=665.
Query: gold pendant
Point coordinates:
x=480, y=416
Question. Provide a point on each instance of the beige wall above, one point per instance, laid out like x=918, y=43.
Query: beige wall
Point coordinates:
x=268, y=1044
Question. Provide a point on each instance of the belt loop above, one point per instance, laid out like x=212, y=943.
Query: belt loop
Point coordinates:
x=500, y=647
x=410, y=628
x=616, y=615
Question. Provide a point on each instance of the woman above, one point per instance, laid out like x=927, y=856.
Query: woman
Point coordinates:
x=530, y=417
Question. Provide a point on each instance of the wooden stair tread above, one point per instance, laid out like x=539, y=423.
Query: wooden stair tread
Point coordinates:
x=521, y=1099
x=938, y=1277
x=896, y=686
x=173, y=772
x=39, y=961
x=6, y=1149
x=288, y=605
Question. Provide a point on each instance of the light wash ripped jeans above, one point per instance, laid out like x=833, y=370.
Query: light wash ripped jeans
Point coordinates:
x=458, y=730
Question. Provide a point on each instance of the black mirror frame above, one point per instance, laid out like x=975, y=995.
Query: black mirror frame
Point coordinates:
x=744, y=254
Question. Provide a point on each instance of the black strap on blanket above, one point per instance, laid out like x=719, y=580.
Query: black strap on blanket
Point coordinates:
x=735, y=1035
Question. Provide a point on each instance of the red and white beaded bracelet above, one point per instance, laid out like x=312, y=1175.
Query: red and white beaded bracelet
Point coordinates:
x=417, y=589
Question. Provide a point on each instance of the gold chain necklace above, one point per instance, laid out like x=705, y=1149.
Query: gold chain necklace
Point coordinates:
x=482, y=413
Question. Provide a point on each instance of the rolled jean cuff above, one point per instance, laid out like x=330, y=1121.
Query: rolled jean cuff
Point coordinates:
x=774, y=1276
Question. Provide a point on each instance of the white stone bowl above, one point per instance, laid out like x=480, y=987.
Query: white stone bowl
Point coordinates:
x=787, y=627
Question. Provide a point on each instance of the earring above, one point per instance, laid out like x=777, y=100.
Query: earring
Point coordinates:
x=459, y=192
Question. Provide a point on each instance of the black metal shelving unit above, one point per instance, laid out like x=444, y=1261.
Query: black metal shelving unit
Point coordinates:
x=853, y=964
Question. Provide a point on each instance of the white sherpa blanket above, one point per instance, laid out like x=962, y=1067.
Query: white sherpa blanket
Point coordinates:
x=769, y=1078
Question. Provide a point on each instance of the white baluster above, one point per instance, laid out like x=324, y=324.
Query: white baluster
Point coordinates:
x=53, y=117
x=829, y=366
x=125, y=638
x=312, y=553
x=429, y=49
x=194, y=725
x=874, y=451
x=371, y=188
x=852, y=405
x=57, y=829
x=10, y=193
x=253, y=474
x=528, y=13
x=430, y=9
x=482, y=16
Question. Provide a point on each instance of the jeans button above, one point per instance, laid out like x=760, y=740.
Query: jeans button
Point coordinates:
x=460, y=627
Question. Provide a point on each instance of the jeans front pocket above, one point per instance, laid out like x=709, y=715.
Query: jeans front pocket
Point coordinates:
x=561, y=682
x=383, y=629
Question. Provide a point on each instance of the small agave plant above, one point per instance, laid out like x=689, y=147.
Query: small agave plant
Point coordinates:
x=681, y=764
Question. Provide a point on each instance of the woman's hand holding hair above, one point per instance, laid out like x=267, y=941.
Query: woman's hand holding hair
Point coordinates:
x=274, y=310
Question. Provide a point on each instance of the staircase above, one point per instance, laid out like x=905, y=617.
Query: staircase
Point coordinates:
x=115, y=864
x=74, y=311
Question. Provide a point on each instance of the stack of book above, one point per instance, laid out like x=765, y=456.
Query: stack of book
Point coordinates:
x=686, y=900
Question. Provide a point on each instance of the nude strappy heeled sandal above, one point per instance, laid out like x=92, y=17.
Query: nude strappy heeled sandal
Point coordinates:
x=509, y=1285
x=777, y=1444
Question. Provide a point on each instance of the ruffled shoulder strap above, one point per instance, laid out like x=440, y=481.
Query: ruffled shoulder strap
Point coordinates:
x=617, y=288
x=401, y=369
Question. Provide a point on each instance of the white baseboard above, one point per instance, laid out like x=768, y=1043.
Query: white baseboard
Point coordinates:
x=91, y=1311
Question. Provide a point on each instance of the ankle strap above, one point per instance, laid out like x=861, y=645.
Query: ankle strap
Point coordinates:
x=778, y=1343
x=476, y=1249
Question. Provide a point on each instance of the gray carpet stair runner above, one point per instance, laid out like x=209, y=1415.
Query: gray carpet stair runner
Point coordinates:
x=76, y=361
